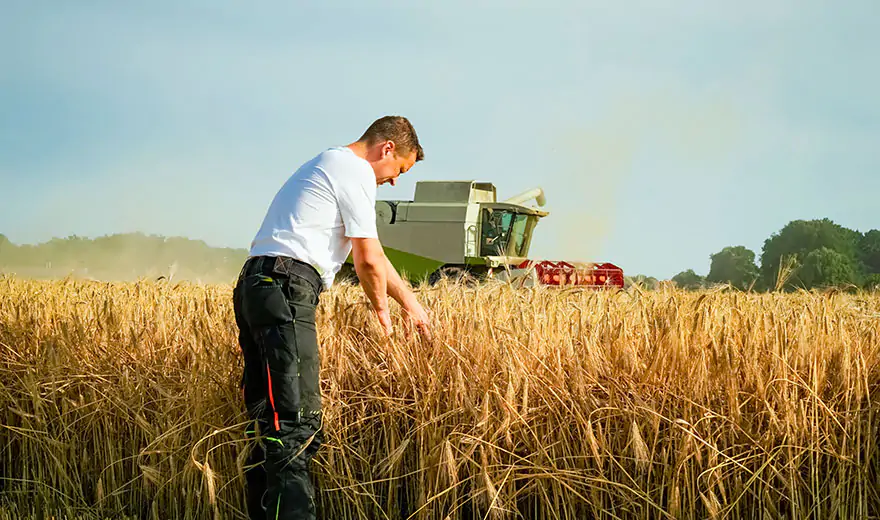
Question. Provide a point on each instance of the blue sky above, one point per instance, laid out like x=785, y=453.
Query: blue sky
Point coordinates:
x=661, y=132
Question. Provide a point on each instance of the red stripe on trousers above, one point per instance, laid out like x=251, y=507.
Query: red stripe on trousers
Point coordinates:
x=271, y=399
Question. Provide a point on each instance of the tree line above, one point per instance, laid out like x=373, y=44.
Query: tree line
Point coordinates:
x=804, y=254
x=808, y=254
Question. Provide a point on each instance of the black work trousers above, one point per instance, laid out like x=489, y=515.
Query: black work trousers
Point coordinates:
x=275, y=301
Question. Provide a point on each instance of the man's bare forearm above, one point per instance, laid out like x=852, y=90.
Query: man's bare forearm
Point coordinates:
x=397, y=288
x=400, y=291
x=373, y=276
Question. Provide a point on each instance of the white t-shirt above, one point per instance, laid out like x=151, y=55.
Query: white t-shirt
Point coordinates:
x=325, y=202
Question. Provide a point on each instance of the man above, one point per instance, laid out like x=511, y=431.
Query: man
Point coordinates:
x=324, y=211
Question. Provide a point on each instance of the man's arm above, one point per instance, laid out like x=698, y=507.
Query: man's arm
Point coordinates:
x=400, y=291
x=397, y=288
x=370, y=265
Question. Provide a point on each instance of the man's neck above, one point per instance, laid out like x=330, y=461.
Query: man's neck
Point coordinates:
x=359, y=148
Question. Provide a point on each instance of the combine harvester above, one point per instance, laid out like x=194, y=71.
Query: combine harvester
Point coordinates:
x=458, y=229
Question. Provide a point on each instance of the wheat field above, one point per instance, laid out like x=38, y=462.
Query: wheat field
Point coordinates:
x=121, y=400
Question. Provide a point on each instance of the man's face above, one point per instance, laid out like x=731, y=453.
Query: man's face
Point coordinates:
x=390, y=165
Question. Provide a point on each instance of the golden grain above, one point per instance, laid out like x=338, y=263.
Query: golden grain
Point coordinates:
x=122, y=400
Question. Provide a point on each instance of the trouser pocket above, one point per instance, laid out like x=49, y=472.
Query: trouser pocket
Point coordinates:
x=290, y=491
x=264, y=303
x=270, y=321
x=282, y=370
x=308, y=358
x=281, y=316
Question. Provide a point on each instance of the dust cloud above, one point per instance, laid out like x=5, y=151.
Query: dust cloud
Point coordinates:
x=124, y=257
x=593, y=166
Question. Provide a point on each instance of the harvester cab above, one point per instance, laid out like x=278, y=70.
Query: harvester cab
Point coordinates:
x=460, y=229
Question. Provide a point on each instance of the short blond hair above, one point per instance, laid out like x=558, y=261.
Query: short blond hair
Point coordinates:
x=397, y=129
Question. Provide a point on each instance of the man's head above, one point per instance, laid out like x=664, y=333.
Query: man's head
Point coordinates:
x=391, y=146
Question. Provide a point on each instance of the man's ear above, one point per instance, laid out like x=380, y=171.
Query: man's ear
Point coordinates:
x=387, y=148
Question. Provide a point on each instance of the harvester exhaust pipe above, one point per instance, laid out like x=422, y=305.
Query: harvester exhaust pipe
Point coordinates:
x=534, y=193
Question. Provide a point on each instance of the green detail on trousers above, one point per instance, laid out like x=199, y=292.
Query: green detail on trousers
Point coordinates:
x=273, y=439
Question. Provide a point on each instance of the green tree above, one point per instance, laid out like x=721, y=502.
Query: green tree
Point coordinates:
x=872, y=281
x=825, y=267
x=688, y=280
x=648, y=282
x=869, y=247
x=734, y=265
x=799, y=238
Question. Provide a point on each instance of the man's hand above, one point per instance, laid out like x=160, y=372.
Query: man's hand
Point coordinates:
x=418, y=318
x=415, y=314
x=385, y=322
x=380, y=279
